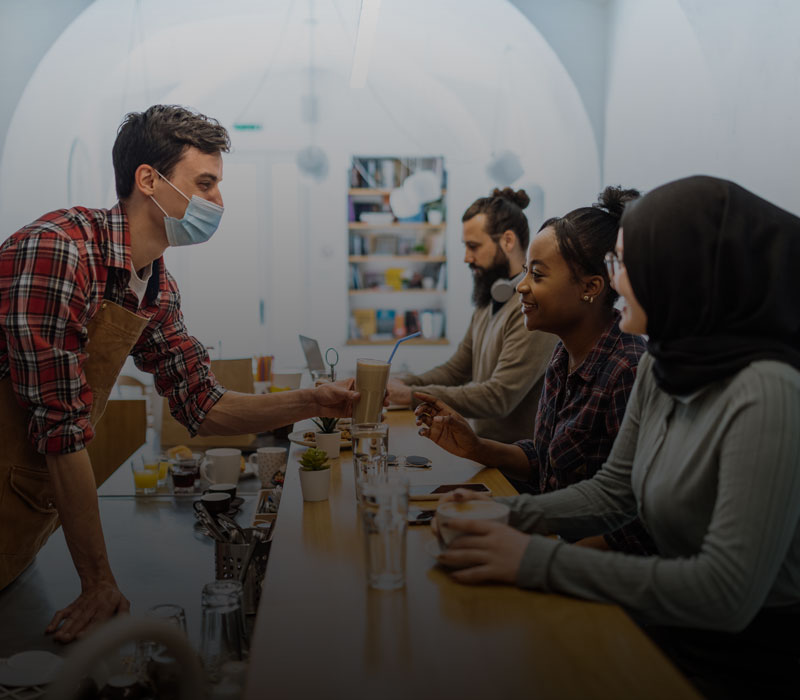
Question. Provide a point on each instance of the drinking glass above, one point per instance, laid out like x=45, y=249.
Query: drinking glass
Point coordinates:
x=183, y=479
x=370, y=448
x=224, y=636
x=163, y=469
x=371, y=379
x=384, y=516
x=146, y=650
x=144, y=480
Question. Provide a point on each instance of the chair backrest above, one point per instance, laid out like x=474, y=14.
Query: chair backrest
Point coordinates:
x=127, y=380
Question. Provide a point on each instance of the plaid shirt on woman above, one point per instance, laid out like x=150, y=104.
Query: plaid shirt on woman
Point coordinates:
x=54, y=273
x=578, y=418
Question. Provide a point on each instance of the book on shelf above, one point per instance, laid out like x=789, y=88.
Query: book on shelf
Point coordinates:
x=394, y=277
x=385, y=321
x=412, y=322
x=356, y=277
x=432, y=323
x=365, y=322
x=358, y=245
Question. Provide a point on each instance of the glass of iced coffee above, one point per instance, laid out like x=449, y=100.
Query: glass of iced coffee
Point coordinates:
x=371, y=378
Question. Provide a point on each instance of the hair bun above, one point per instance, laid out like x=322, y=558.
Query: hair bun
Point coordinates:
x=613, y=200
x=520, y=197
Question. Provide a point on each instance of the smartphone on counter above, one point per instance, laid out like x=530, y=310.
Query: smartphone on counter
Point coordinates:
x=430, y=492
x=418, y=516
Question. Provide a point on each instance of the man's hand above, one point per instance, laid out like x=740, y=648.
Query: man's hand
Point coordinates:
x=399, y=393
x=335, y=399
x=76, y=500
x=94, y=605
x=486, y=552
x=448, y=429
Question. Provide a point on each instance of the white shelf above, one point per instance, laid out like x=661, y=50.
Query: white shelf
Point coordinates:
x=397, y=225
x=357, y=292
x=397, y=258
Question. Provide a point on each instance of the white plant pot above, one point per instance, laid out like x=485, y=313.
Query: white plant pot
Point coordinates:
x=330, y=442
x=315, y=484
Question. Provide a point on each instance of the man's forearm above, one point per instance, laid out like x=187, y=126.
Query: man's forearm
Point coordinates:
x=236, y=413
x=76, y=501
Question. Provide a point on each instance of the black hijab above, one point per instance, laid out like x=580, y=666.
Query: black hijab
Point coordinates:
x=716, y=270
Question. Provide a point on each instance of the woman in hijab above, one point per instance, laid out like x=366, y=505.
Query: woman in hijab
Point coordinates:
x=708, y=454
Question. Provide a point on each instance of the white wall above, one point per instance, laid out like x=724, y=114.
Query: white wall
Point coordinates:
x=706, y=86
x=440, y=83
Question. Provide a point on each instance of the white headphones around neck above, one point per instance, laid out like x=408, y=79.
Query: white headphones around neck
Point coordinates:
x=502, y=290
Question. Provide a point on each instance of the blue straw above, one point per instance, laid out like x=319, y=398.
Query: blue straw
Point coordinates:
x=397, y=344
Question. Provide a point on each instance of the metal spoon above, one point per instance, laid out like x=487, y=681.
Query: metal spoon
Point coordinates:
x=209, y=523
x=248, y=557
x=231, y=523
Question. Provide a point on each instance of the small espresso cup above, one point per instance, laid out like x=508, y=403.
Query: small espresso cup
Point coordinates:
x=230, y=489
x=222, y=465
x=215, y=503
x=477, y=509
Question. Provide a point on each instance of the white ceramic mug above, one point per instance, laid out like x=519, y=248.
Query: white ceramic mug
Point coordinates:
x=222, y=465
x=477, y=509
x=287, y=380
x=270, y=461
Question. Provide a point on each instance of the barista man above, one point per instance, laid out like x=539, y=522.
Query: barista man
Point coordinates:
x=80, y=290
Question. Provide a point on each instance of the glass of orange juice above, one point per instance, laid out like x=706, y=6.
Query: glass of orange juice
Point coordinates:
x=144, y=480
x=163, y=468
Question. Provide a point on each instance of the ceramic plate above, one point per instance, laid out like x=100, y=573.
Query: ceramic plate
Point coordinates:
x=29, y=668
x=297, y=438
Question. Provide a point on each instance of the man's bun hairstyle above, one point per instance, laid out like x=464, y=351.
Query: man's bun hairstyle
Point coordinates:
x=503, y=210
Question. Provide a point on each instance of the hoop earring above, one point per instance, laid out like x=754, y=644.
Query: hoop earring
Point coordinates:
x=591, y=300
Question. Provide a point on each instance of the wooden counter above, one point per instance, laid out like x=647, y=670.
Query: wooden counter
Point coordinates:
x=321, y=632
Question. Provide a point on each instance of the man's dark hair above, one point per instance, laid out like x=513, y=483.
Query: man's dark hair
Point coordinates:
x=586, y=234
x=159, y=137
x=503, y=211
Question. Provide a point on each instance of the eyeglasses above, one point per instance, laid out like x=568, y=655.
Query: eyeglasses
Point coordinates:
x=613, y=263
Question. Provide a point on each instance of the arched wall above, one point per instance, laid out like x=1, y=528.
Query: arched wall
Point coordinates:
x=700, y=87
x=440, y=83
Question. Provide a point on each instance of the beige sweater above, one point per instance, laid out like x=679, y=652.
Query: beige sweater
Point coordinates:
x=496, y=374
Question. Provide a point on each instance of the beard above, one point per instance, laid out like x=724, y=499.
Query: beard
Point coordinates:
x=484, y=277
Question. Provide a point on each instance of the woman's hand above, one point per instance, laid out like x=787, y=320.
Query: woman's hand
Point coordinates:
x=487, y=551
x=459, y=496
x=448, y=429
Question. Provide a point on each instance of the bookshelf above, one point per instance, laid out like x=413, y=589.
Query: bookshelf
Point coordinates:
x=396, y=250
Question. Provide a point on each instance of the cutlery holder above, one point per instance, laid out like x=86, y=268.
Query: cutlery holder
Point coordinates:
x=229, y=558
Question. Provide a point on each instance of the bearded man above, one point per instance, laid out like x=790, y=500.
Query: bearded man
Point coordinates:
x=496, y=374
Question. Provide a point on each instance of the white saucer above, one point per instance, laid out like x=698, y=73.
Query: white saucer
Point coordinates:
x=29, y=668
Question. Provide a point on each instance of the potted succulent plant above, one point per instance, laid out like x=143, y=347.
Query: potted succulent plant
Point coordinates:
x=328, y=438
x=315, y=475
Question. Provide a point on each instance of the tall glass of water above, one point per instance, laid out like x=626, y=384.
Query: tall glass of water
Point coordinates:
x=370, y=449
x=384, y=516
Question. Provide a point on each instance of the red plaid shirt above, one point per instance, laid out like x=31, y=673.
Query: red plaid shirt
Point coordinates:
x=54, y=273
x=579, y=417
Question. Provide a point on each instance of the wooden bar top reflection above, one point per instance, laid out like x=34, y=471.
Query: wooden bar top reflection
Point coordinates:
x=321, y=632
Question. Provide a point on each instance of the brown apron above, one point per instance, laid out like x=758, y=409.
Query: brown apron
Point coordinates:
x=28, y=513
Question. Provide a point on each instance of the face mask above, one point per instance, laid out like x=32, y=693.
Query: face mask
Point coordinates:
x=200, y=220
